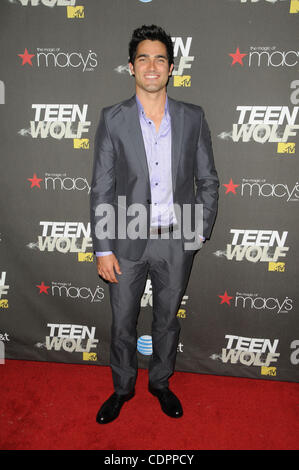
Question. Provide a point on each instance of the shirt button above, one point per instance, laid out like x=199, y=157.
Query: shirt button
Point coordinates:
x=157, y=163
x=156, y=184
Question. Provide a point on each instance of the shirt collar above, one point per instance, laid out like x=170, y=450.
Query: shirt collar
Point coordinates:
x=141, y=109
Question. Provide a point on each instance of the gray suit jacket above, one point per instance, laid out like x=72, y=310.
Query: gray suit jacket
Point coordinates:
x=120, y=169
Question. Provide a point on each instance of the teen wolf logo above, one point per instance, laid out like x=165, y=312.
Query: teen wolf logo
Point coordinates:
x=256, y=245
x=263, y=124
x=58, y=121
x=250, y=351
x=73, y=237
x=71, y=338
x=183, y=59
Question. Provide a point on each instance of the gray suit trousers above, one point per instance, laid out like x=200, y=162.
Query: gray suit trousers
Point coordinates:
x=169, y=267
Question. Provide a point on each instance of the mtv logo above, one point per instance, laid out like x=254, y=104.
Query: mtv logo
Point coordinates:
x=268, y=371
x=182, y=81
x=277, y=267
x=75, y=12
x=82, y=144
x=90, y=356
x=294, y=7
x=85, y=257
x=286, y=147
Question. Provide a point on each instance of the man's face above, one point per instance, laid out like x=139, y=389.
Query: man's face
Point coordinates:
x=151, y=68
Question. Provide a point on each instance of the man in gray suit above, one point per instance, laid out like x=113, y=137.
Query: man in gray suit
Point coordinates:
x=153, y=158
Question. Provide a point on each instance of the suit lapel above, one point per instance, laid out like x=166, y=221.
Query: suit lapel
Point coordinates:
x=177, y=125
x=133, y=129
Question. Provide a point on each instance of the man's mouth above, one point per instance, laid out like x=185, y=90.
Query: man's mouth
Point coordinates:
x=151, y=76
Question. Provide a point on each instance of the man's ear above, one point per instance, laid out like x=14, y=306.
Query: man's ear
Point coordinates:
x=170, y=70
x=131, y=67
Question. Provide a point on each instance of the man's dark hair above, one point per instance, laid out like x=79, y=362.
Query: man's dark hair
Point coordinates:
x=153, y=33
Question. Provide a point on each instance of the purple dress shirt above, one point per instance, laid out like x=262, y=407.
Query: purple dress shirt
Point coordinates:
x=158, y=153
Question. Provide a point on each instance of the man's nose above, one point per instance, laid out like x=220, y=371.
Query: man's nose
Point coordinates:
x=152, y=63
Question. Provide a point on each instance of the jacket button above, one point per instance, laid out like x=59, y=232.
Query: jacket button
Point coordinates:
x=148, y=201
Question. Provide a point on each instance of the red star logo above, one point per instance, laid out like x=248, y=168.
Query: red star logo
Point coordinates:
x=35, y=181
x=231, y=187
x=225, y=298
x=238, y=57
x=43, y=288
x=26, y=57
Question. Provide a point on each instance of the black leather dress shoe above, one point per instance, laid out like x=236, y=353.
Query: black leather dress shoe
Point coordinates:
x=170, y=404
x=110, y=410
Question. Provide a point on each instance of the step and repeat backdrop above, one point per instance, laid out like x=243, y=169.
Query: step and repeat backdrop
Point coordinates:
x=62, y=61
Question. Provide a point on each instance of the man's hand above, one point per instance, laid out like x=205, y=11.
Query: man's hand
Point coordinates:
x=107, y=266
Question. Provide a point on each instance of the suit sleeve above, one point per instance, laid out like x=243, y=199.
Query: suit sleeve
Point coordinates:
x=102, y=189
x=206, y=178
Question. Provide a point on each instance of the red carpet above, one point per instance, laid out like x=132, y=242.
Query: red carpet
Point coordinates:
x=53, y=406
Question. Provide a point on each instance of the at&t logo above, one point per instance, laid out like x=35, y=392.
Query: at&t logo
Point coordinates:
x=144, y=345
